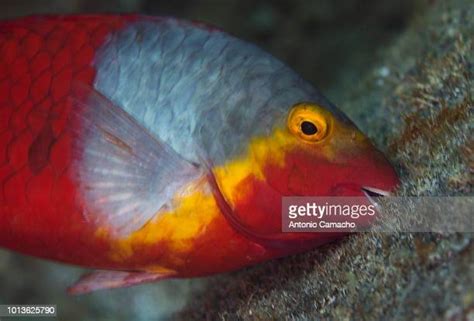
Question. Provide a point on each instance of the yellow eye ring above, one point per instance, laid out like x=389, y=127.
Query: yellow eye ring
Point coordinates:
x=309, y=122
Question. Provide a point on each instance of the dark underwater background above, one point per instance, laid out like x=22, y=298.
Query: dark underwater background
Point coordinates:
x=403, y=71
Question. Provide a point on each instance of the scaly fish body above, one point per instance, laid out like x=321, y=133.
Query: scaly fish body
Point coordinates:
x=162, y=147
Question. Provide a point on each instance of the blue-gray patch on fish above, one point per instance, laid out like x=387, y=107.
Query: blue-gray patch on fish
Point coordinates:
x=197, y=89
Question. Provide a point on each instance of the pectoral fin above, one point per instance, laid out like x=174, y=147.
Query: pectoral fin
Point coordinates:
x=101, y=280
x=123, y=172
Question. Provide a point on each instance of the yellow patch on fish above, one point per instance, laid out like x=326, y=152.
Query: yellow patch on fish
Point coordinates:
x=194, y=207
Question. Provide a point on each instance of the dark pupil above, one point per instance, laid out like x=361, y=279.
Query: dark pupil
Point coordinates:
x=308, y=128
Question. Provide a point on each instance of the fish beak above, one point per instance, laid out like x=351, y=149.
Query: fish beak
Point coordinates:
x=372, y=192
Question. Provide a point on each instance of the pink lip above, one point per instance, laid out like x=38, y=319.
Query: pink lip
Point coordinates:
x=371, y=192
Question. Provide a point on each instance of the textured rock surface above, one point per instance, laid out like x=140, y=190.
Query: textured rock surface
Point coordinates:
x=410, y=89
x=417, y=99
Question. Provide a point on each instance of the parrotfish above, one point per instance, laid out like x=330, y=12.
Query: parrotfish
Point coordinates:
x=149, y=148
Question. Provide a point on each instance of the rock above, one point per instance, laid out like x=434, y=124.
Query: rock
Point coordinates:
x=416, y=103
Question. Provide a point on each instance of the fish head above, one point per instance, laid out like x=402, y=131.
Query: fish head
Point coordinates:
x=313, y=150
x=325, y=154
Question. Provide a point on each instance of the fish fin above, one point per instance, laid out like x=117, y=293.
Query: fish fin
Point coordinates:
x=102, y=280
x=124, y=174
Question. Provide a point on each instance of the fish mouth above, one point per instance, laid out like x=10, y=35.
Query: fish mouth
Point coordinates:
x=372, y=192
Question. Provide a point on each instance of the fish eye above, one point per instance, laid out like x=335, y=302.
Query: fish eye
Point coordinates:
x=308, y=122
x=308, y=128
